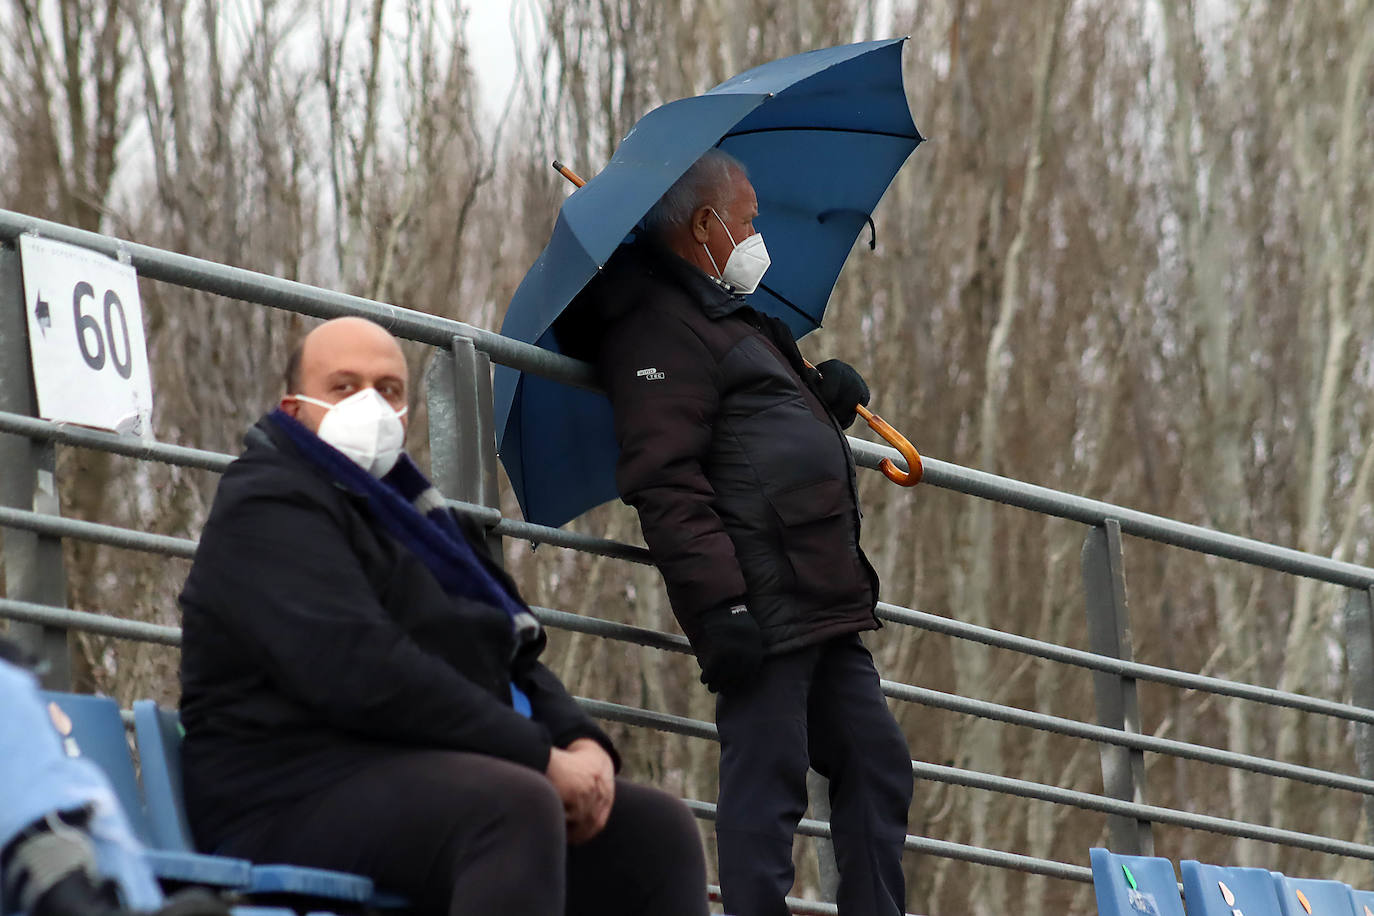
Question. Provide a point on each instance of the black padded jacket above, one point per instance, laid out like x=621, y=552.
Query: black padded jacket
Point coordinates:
x=742, y=478
x=314, y=644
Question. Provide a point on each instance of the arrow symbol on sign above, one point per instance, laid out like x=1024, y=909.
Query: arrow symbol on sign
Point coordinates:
x=42, y=314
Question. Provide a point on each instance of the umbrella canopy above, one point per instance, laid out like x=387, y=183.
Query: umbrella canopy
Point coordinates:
x=822, y=135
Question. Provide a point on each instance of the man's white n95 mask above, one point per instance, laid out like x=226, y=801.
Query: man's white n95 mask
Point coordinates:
x=748, y=260
x=365, y=428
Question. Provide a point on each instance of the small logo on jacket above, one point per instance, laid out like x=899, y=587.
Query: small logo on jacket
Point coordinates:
x=650, y=374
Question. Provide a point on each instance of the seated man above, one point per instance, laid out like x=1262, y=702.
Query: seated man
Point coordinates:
x=360, y=689
x=66, y=848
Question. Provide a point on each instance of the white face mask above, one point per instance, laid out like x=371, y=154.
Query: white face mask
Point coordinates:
x=365, y=428
x=748, y=260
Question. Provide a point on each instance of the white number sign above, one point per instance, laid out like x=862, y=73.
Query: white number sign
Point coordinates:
x=90, y=359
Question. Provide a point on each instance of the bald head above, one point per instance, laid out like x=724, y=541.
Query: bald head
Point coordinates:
x=340, y=358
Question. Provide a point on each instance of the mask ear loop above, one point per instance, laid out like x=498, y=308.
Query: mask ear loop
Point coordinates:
x=728, y=235
x=327, y=406
x=309, y=400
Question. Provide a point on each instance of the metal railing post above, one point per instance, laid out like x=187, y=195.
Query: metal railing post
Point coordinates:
x=1109, y=633
x=462, y=437
x=818, y=791
x=1359, y=648
x=33, y=562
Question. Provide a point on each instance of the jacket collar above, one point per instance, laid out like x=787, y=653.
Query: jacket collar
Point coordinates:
x=265, y=436
x=715, y=297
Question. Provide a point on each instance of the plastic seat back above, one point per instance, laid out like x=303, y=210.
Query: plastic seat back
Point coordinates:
x=159, y=750
x=1218, y=890
x=1364, y=902
x=91, y=727
x=1134, y=885
x=1313, y=896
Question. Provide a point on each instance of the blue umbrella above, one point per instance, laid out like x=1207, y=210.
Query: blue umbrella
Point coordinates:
x=822, y=135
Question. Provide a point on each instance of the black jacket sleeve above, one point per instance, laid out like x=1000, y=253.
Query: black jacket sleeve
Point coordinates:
x=549, y=699
x=558, y=711
x=278, y=569
x=664, y=420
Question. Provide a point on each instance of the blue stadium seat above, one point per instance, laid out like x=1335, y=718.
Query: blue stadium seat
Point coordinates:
x=158, y=732
x=1134, y=885
x=97, y=733
x=1323, y=897
x=1216, y=890
x=1364, y=902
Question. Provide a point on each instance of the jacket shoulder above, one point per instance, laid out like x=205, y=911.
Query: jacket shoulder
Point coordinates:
x=265, y=472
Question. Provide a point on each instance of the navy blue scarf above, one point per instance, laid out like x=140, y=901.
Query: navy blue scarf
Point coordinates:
x=412, y=511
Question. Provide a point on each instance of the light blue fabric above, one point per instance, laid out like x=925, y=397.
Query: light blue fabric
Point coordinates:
x=37, y=778
x=822, y=134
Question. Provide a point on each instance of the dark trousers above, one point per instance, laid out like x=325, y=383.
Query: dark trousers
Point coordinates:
x=820, y=706
x=461, y=833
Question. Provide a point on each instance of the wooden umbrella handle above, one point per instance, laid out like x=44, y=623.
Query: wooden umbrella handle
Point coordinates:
x=568, y=173
x=900, y=443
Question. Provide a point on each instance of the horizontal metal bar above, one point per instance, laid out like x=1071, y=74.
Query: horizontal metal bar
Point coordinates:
x=1036, y=498
x=130, y=446
x=59, y=527
x=558, y=537
x=1073, y=728
x=648, y=718
x=624, y=632
x=89, y=622
x=291, y=296
x=867, y=454
x=147, y=632
x=1008, y=786
x=975, y=854
x=250, y=286
x=133, y=447
x=1019, y=787
x=1009, y=714
x=542, y=534
x=1055, y=652
x=181, y=547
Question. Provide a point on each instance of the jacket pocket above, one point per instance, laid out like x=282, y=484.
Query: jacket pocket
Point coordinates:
x=818, y=539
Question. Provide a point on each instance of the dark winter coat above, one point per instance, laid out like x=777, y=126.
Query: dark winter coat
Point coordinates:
x=314, y=643
x=742, y=478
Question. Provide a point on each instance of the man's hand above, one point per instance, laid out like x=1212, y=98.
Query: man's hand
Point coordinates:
x=841, y=387
x=733, y=648
x=584, y=777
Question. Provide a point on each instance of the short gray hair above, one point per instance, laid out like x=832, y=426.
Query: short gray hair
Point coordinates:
x=703, y=184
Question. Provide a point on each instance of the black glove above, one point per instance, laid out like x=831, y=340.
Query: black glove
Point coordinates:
x=841, y=387
x=732, y=648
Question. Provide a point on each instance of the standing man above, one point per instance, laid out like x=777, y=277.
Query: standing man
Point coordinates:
x=733, y=452
x=360, y=683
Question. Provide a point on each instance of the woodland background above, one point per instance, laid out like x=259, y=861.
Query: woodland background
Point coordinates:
x=1134, y=261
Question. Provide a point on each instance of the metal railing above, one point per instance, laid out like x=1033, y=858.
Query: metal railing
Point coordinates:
x=462, y=450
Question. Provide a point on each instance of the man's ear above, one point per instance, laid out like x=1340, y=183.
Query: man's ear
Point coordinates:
x=701, y=224
x=290, y=406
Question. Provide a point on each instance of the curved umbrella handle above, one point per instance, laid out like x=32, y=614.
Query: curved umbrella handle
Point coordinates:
x=900, y=443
